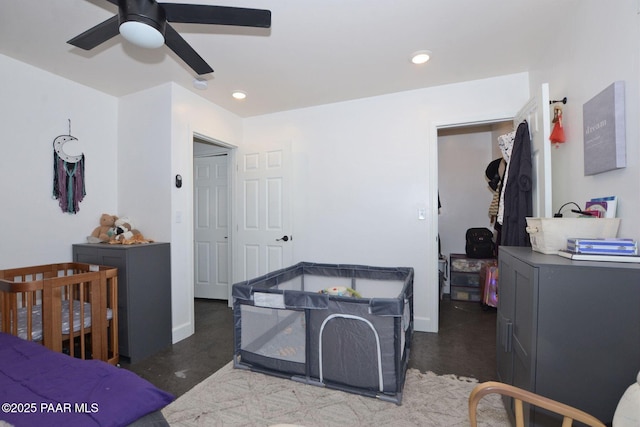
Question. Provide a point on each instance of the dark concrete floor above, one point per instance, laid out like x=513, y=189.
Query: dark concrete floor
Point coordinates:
x=465, y=346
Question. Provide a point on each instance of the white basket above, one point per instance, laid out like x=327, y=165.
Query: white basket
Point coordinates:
x=549, y=235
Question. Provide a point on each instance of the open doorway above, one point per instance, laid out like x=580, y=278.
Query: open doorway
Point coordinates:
x=536, y=113
x=212, y=207
x=464, y=152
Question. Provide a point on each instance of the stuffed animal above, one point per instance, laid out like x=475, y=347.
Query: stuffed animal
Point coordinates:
x=126, y=234
x=124, y=230
x=103, y=232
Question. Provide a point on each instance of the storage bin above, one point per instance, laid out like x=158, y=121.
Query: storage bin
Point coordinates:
x=549, y=235
x=471, y=280
x=465, y=294
x=460, y=262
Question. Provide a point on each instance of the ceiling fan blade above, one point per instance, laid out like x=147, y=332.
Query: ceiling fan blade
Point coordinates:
x=176, y=43
x=97, y=35
x=221, y=15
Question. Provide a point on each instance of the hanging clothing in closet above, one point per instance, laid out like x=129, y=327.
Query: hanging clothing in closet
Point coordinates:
x=505, y=142
x=495, y=175
x=517, y=198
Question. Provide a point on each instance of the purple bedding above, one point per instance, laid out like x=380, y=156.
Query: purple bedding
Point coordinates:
x=40, y=387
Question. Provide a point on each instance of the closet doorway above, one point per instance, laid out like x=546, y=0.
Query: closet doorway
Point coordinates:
x=464, y=152
x=536, y=113
x=212, y=207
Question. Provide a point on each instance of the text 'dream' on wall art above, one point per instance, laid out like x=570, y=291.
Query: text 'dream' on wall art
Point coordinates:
x=604, y=131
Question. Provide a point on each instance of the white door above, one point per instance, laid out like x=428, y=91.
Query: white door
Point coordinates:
x=264, y=240
x=537, y=113
x=211, y=227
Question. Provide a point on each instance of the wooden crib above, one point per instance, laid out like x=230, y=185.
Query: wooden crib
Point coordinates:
x=67, y=307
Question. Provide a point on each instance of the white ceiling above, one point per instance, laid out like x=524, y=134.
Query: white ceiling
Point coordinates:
x=316, y=51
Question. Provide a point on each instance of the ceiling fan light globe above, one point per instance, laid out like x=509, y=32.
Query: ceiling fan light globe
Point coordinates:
x=141, y=34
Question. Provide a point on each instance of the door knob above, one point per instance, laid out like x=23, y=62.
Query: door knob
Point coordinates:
x=284, y=238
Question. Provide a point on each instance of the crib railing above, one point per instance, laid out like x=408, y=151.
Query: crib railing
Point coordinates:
x=68, y=307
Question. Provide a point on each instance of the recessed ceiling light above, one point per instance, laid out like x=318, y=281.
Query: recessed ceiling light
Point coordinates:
x=421, y=56
x=238, y=94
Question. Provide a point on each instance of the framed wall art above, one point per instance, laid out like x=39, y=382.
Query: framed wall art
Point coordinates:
x=604, y=131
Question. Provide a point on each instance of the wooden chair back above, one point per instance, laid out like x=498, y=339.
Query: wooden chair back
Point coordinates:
x=519, y=395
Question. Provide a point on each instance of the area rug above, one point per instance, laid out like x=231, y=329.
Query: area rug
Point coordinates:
x=234, y=397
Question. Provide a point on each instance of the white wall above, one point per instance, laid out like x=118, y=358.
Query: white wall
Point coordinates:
x=35, y=107
x=598, y=45
x=361, y=174
x=190, y=114
x=144, y=161
x=156, y=133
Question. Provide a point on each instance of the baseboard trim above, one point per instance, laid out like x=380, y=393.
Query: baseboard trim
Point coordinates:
x=181, y=332
x=424, y=324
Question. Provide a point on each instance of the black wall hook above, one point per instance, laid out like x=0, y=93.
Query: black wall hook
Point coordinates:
x=554, y=101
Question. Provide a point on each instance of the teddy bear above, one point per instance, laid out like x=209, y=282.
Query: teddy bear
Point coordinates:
x=103, y=232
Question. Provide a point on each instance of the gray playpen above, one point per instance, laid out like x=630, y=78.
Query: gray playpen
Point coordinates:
x=347, y=327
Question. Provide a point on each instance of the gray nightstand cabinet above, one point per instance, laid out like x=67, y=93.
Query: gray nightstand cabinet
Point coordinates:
x=568, y=330
x=144, y=293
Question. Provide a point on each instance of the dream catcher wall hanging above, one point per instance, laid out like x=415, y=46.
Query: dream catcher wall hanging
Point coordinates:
x=68, y=175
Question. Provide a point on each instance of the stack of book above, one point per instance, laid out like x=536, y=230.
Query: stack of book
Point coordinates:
x=601, y=207
x=616, y=250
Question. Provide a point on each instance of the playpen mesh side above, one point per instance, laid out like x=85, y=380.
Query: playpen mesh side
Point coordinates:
x=284, y=326
x=272, y=336
x=274, y=333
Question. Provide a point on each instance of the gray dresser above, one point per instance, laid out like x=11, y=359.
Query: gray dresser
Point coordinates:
x=144, y=293
x=568, y=330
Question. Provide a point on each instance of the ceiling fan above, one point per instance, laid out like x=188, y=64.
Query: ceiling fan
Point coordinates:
x=146, y=23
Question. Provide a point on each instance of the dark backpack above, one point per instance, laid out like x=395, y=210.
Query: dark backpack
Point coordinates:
x=480, y=243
